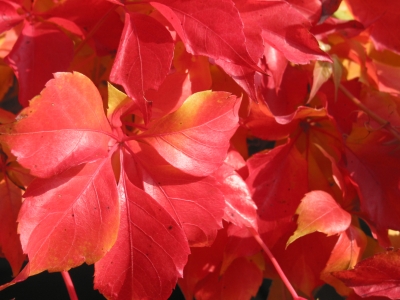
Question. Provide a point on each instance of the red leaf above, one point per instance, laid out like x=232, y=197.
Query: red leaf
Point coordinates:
x=135, y=66
x=70, y=218
x=240, y=208
x=308, y=255
x=318, y=211
x=345, y=255
x=10, y=204
x=204, y=277
x=309, y=9
x=232, y=284
x=195, y=203
x=379, y=16
x=149, y=254
x=41, y=50
x=210, y=28
x=195, y=138
x=328, y=8
x=373, y=166
x=79, y=197
x=95, y=17
x=375, y=276
x=65, y=126
x=289, y=35
x=9, y=16
x=277, y=196
x=192, y=75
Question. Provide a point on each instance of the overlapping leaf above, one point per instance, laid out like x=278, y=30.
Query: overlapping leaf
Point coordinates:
x=143, y=59
x=77, y=212
x=375, y=276
x=75, y=129
x=41, y=50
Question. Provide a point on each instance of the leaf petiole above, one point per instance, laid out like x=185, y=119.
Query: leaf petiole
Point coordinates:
x=276, y=265
x=70, y=285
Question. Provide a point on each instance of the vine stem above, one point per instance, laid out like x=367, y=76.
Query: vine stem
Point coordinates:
x=381, y=121
x=276, y=265
x=70, y=285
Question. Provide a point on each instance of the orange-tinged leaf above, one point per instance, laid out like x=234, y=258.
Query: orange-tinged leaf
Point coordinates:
x=379, y=16
x=322, y=72
x=345, y=255
x=70, y=218
x=6, y=80
x=195, y=138
x=10, y=203
x=65, y=125
x=318, y=211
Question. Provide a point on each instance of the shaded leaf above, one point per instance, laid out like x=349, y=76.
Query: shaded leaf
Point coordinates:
x=375, y=276
x=379, y=17
x=210, y=28
x=41, y=50
x=9, y=16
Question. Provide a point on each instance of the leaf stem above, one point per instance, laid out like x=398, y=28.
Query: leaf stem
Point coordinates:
x=276, y=265
x=384, y=123
x=70, y=285
x=95, y=28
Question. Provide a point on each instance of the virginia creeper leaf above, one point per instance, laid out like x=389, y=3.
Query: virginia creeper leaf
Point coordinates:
x=192, y=75
x=10, y=203
x=197, y=204
x=375, y=276
x=232, y=284
x=277, y=197
x=9, y=16
x=240, y=208
x=70, y=218
x=149, y=254
x=97, y=18
x=41, y=50
x=195, y=138
x=210, y=28
x=289, y=35
x=345, y=255
x=322, y=72
x=310, y=9
x=318, y=211
x=379, y=17
x=373, y=167
x=143, y=59
x=65, y=126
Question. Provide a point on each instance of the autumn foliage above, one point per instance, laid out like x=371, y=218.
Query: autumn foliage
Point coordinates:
x=129, y=147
